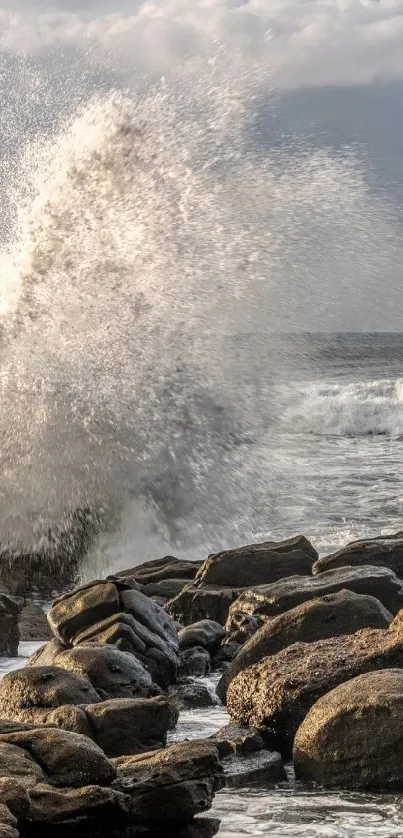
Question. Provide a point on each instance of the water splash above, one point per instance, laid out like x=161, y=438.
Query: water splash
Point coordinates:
x=150, y=232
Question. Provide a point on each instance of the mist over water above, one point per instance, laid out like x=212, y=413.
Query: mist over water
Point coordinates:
x=152, y=252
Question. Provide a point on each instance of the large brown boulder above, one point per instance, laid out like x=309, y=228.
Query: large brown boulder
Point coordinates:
x=58, y=698
x=276, y=694
x=130, y=726
x=330, y=616
x=172, y=785
x=352, y=736
x=27, y=695
x=257, y=564
x=112, y=673
x=113, y=613
x=66, y=758
x=384, y=551
x=272, y=600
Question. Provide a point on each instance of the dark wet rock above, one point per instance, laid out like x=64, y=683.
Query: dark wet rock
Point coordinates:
x=257, y=564
x=207, y=603
x=384, y=551
x=33, y=624
x=276, y=694
x=190, y=695
x=194, y=662
x=83, y=608
x=66, y=758
x=240, y=626
x=170, y=786
x=10, y=608
x=26, y=695
x=226, y=653
x=159, y=570
x=130, y=726
x=110, y=612
x=263, y=768
x=330, y=616
x=74, y=806
x=351, y=738
x=237, y=739
x=112, y=673
x=18, y=766
x=271, y=600
x=206, y=633
x=15, y=796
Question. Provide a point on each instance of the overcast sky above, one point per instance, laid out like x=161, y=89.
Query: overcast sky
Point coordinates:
x=334, y=70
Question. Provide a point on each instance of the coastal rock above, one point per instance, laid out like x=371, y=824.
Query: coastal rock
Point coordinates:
x=10, y=608
x=190, y=695
x=276, y=694
x=271, y=600
x=226, y=653
x=207, y=603
x=206, y=633
x=159, y=570
x=240, y=626
x=112, y=673
x=170, y=786
x=15, y=796
x=351, y=737
x=27, y=695
x=66, y=758
x=8, y=823
x=17, y=766
x=384, y=551
x=257, y=564
x=263, y=768
x=33, y=624
x=237, y=739
x=194, y=662
x=317, y=619
x=130, y=726
x=110, y=612
x=100, y=805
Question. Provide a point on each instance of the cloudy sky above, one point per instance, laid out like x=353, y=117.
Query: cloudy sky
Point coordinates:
x=328, y=75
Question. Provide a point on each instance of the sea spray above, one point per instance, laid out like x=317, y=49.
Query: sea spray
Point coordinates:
x=151, y=231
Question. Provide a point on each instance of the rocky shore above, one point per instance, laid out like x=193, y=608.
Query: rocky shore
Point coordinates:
x=309, y=657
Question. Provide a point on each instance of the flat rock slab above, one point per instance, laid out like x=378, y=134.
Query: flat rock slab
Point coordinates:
x=351, y=738
x=272, y=600
x=179, y=781
x=259, y=769
x=257, y=564
x=385, y=551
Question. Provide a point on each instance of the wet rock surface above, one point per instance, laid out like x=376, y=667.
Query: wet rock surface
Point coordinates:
x=351, y=737
x=272, y=600
x=258, y=564
x=10, y=608
x=276, y=694
x=112, y=613
x=330, y=616
x=385, y=551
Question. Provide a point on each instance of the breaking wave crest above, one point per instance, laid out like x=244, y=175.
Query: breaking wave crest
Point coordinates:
x=359, y=409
